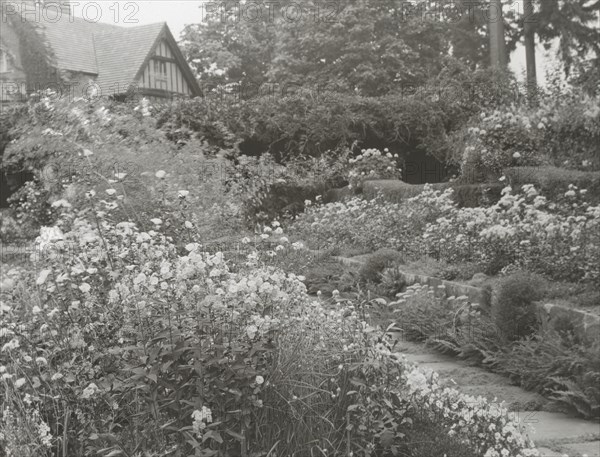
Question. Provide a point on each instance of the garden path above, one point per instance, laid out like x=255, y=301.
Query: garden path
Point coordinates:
x=555, y=432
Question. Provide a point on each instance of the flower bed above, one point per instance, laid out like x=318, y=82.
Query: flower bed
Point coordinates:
x=559, y=239
x=124, y=344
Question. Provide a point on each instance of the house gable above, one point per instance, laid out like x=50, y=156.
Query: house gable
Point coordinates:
x=117, y=59
x=165, y=71
x=13, y=81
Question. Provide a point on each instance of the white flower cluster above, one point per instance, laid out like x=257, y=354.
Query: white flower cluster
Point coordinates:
x=200, y=420
x=527, y=228
x=371, y=164
x=486, y=425
x=49, y=239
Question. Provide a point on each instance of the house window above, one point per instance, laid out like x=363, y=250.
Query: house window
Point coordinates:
x=3, y=61
x=160, y=70
x=160, y=74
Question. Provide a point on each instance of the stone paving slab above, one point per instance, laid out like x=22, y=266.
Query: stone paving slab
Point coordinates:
x=545, y=452
x=553, y=426
x=590, y=448
x=549, y=428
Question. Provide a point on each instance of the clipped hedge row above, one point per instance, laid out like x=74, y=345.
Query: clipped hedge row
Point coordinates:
x=554, y=182
x=466, y=195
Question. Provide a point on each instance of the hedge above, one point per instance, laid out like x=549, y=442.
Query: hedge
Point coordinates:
x=465, y=195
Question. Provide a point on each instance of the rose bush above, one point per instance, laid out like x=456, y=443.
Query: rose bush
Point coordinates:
x=562, y=130
x=372, y=164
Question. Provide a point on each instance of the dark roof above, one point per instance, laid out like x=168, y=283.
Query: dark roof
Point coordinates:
x=112, y=53
x=120, y=53
x=73, y=43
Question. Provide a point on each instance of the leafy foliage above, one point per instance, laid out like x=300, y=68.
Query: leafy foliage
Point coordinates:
x=350, y=48
x=562, y=131
x=572, y=23
x=310, y=123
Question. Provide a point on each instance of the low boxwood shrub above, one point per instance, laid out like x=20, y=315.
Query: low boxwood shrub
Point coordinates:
x=473, y=195
x=377, y=262
x=396, y=191
x=513, y=310
x=554, y=181
x=465, y=195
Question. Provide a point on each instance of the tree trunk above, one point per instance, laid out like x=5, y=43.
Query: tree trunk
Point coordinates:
x=498, y=54
x=529, y=34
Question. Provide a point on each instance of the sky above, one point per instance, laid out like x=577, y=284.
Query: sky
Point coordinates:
x=178, y=13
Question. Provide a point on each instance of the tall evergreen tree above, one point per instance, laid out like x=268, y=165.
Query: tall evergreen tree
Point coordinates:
x=573, y=23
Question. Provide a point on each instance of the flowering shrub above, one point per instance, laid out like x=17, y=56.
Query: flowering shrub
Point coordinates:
x=572, y=134
x=523, y=230
x=267, y=189
x=487, y=426
x=498, y=140
x=372, y=164
x=372, y=224
x=563, y=130
x=31, y=208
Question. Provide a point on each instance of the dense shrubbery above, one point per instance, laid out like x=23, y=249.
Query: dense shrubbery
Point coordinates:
x=371, y=224
x=524, y=230
x=81, y=149
x=310, y=123
x=514, y=311
x=268, y=190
